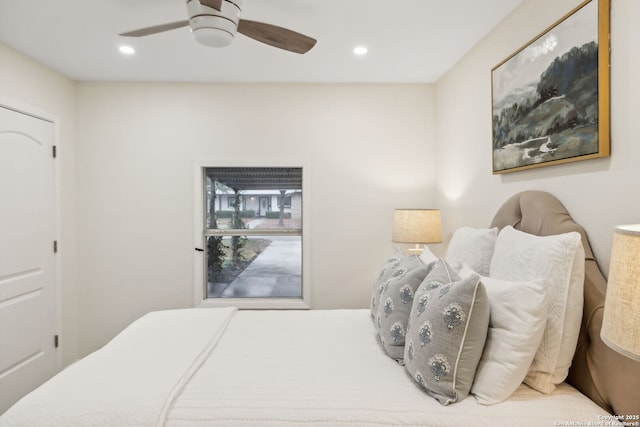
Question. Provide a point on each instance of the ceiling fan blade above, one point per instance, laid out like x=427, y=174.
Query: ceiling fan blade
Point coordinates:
x=276, y=36
x=214, y=4
x=155, y=29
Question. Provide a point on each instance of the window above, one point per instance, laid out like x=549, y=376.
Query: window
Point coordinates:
x=253, y=248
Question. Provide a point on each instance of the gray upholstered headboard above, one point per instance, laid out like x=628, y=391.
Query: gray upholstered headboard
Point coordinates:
x=608, y=378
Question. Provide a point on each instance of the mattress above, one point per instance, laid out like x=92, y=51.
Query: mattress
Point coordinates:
x=266, y=368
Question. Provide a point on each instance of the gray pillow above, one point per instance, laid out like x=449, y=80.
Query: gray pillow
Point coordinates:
x=386, y=270
x=395, y=303
x=441, y=274
x=446, y=334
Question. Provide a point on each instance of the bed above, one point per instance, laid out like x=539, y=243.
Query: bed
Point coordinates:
x=225, y=367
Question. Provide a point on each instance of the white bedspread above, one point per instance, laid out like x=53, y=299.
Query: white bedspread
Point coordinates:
x=219, y=367
x=325, y=368
x=130, y=381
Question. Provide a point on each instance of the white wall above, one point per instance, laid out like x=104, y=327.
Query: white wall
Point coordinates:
x=369, y=147
x=598, y=193
x=30, y=84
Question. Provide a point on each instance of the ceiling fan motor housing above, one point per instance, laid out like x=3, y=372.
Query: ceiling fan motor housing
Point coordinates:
x=213, y=28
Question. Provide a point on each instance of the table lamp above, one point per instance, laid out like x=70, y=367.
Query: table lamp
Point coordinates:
x=621, y=321
x=418, y=226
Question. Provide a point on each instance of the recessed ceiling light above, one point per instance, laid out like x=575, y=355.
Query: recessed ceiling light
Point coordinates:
x=127, y=50
x=360, y=50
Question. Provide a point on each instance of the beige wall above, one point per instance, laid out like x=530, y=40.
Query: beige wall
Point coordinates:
x=368, y=146
x=599, y=193
x=26, y=83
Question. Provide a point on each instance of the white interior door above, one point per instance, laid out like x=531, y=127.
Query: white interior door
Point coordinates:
x=28, y=305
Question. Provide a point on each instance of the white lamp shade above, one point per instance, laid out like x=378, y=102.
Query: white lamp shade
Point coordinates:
x=417, y=226
x=621, y=322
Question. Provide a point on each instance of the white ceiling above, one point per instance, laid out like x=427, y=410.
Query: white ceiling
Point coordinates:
x=409, y=40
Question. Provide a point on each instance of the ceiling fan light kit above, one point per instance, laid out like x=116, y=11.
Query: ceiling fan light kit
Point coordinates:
x=211, y=27
x=215, y=23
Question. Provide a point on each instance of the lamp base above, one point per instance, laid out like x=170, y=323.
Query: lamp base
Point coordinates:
x=417, y=250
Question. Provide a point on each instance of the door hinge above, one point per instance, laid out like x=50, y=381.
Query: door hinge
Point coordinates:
x=55, y=152
x=56, y=341
x=55, y=246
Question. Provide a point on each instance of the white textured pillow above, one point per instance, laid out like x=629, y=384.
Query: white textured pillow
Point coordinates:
x=559, y=261
x=472, y=247
x=517, y=322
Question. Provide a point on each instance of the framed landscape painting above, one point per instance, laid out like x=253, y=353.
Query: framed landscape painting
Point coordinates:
x=550, y=99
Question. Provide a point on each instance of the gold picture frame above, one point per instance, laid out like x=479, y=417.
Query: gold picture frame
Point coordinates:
x=550, y=99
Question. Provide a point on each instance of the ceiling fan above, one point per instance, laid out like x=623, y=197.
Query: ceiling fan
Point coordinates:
x=215, y=23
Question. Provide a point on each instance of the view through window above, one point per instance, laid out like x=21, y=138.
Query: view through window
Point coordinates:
x=253, y=232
